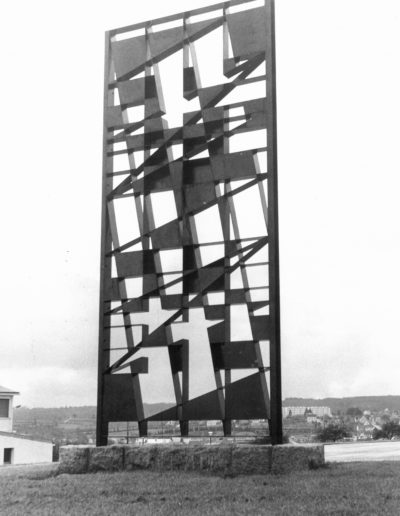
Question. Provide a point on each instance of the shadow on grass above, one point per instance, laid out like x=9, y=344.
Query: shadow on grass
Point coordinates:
x=41, y=475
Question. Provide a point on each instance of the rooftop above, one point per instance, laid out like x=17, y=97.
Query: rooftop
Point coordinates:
x=4, y=390
x=22, y=436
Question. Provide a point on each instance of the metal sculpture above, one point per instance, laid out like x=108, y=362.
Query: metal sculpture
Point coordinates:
x=192, y=271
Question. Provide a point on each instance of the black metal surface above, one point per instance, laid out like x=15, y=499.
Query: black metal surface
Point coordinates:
x=197, y=184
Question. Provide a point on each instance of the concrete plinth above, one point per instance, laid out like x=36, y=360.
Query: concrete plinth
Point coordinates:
x=224, y=459
x=74, y=459
x=106, y=458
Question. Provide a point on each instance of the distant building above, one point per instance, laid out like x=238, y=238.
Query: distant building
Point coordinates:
x=306, y=411
x=6, y=409
x=16, y=448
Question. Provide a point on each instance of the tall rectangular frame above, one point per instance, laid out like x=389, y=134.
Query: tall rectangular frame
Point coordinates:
x=111, y=392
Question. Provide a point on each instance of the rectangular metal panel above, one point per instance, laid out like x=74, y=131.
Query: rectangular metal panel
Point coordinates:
x=202, y=183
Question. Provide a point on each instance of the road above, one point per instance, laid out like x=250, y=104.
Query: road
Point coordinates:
x=362, y=451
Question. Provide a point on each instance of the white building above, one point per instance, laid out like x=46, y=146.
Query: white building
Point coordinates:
x=6, y=409
x=16, y=448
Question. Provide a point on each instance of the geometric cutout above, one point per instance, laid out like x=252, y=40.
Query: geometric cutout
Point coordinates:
x=170, y=414
x=118, y=401
x=129, y=56
x=248, y=32
x=234, y=355
x=204, y=407
x=238, y=395
x=261, y=327
x=164, y=43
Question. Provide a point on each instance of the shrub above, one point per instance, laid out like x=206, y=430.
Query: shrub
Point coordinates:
x=389, y=430
x=333, y=432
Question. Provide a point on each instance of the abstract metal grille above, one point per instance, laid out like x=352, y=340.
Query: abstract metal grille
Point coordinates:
x=189, y=305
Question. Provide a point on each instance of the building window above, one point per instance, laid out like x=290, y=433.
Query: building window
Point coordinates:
x=4, y=408
x=8, y=453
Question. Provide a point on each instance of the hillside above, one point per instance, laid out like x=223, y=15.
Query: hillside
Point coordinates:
x=59, y=414
x=373, y=403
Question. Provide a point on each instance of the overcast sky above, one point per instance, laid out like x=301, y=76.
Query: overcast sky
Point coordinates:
x=338, y=84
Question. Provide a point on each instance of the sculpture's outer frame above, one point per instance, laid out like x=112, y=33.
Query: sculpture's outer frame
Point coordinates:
x=119, y=395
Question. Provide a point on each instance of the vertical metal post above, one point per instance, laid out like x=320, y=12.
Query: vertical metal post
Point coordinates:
x=105, y=266
x=273, y=235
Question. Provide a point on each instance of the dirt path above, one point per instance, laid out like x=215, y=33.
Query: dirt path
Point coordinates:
x=361, y=451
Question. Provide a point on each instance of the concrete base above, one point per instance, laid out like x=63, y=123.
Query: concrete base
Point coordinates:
x=223, y=459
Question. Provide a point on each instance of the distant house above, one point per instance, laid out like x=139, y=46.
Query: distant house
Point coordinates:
x=16, y=448
x=366, y=425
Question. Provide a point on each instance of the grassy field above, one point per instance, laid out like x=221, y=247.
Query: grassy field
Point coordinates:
x=341, y=489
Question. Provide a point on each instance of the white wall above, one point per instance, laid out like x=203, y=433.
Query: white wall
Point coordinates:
x=6, y=423
x=26, y=451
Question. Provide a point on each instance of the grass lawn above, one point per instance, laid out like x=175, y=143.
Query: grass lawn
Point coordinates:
x=351, y=488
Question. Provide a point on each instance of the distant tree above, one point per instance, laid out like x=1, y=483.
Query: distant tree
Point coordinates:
x=333, y=432
x=378, y=434
x=354, y=411
x=389, y=430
